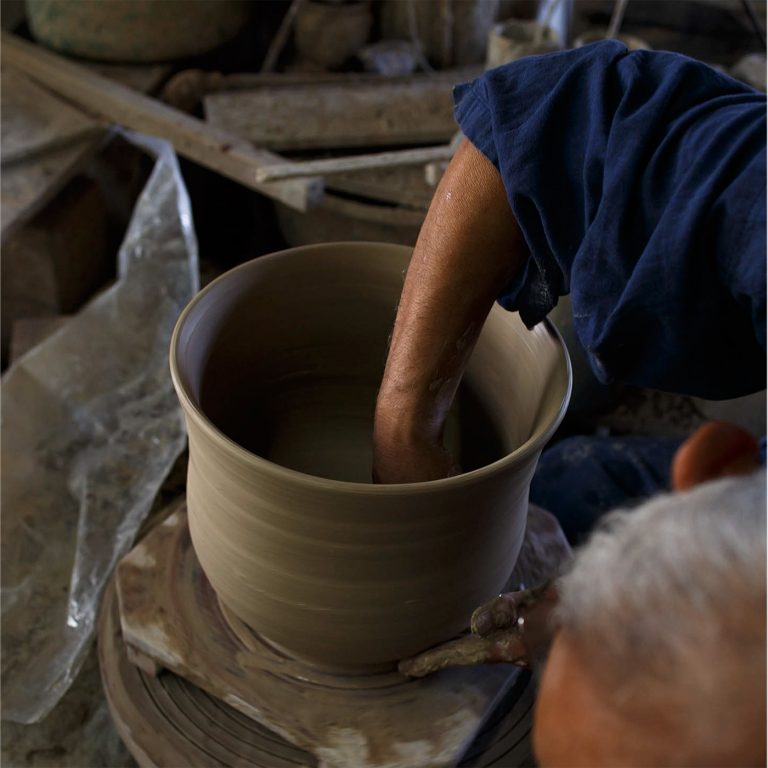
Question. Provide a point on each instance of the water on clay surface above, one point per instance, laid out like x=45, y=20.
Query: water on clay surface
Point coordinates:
x=323, y=427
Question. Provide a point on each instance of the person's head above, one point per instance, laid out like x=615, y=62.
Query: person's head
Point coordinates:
x=660, y=653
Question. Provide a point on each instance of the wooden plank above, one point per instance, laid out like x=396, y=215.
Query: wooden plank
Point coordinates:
x=404, y=185
x=208, y=145
x=25, y=188
x=44, y=143
x=251, y=81
x=55, y=263
x=331, y=165
x=146, y=78
x=186, y=88
x=331, y=116
x=34, y=121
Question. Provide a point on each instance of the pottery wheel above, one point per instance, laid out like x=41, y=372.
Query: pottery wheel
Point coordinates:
x=167, y=721
x=232, y=692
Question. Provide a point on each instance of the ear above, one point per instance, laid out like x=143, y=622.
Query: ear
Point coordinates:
x=716, y=449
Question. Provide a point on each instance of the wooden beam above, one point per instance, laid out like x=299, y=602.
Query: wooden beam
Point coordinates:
x=208, y=145
x=328, y=166
x=214, y=82
x=329, y=116
x=403, y=185
x=45, y=142
x=34, y=121
x=186, y=89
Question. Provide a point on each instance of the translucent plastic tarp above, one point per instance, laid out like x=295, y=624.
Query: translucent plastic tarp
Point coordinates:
x=90, y=428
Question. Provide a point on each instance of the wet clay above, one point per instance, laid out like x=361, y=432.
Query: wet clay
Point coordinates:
x=277, y=364
x=262, y=655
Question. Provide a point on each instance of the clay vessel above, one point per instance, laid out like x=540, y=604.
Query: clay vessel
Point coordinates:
x=328, y=33
x=277, y=364
x=136, y=31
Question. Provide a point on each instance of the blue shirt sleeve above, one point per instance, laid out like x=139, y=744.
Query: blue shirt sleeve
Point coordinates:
x=639, y=182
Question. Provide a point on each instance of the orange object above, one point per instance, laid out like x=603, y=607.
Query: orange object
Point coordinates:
x=716, y=449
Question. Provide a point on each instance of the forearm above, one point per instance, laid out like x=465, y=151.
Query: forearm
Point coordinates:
x=468, y=249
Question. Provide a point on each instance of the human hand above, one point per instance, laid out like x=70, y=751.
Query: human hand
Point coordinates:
x=511, y=628
x=411, y=462
x=407, y=441
x=470, y=650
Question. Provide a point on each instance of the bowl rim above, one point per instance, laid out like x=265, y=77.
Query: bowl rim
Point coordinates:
x=277, y=472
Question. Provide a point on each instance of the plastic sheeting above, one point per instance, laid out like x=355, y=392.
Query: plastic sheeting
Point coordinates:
x=90, y=428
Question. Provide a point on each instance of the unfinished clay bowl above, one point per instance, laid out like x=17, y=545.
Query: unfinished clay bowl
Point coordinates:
x=277, y=365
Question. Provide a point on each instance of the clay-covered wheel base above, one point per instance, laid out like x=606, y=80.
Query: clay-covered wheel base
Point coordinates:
x=167, y=721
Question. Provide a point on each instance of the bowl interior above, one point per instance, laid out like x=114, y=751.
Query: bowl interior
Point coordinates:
x=285, y=354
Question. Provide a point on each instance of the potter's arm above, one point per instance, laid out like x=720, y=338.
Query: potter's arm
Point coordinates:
x=468, y=249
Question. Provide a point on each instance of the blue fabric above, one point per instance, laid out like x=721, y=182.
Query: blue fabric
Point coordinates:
x=638, y=180
x=579, y=479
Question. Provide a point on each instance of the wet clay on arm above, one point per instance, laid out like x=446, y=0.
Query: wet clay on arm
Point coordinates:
x=468, y=249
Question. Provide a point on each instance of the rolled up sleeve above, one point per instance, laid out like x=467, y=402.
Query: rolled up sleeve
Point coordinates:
x=638, y=180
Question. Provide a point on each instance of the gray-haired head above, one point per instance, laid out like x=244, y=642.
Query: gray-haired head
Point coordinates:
x=666, y=605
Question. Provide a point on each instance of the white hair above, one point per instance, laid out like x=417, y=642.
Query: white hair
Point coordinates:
x=668, y=600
